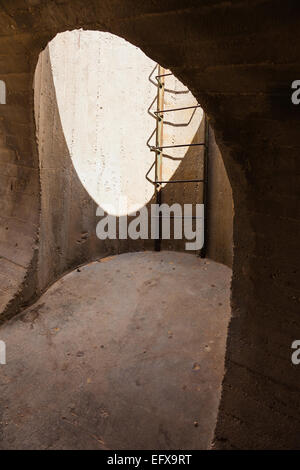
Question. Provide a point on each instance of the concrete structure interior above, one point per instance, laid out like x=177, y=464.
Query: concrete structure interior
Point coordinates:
x=112, y=343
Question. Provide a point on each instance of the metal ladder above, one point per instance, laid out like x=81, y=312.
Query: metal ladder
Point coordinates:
x=159, y=148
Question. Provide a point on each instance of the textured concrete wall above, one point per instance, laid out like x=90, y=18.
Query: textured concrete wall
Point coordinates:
x=19, y=178
x=238, y=59
x=219, y=206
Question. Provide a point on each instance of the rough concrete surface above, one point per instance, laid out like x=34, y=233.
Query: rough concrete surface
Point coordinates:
x=126, y=353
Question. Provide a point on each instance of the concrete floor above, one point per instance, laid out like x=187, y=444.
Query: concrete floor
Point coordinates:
x=126, y=353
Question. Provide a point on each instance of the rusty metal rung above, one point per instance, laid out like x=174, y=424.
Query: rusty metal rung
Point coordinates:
x=155, y=149
x=180, y=181
x=161, y=111
x=163, y=75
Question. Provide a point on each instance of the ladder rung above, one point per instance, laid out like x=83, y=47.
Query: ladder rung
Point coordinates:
x=176, y=109
x=155, y=149
x=180, y=181
x=163, y=75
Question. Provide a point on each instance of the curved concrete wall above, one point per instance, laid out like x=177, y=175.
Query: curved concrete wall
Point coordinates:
x=19, y=189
